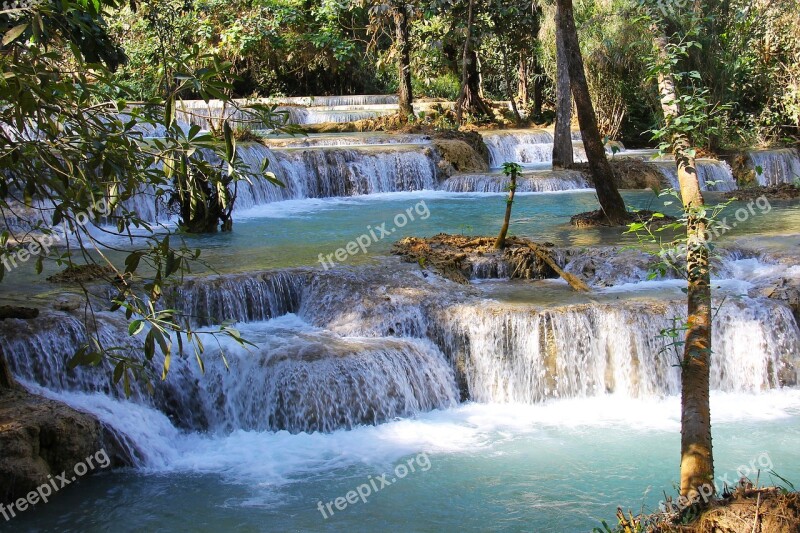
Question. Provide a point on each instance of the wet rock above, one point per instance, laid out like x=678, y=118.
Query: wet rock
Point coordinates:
x=82, y=274
x=12, y=311
x=632, y=173
x=41, y=437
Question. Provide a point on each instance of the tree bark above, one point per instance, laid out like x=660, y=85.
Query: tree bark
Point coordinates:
x=697, y=462
x=563, y=156
x=6, y=379
x=403, y=62
x=538, y=87
x=522, y=81
x=500, y=243
x=607, y=194
x=507, y=79
x=470, y=94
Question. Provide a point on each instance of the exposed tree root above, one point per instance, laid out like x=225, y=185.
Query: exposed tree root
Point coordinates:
x=746, y=510
x=455, y=256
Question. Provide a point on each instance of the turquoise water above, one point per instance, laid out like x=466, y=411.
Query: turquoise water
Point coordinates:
x=561, y=466
x=294, y=233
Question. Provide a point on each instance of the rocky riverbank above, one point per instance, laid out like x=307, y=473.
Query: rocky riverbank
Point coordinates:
x=41, y=439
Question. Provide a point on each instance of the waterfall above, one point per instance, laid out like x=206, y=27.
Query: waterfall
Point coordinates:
x=298, y=110
x=245, y=298
x=529, y=355
x=713, y=175
x=520, y=146
x=307, y=380
x=551, y=181
x=334, y=350
x=530, y=147
x=345, y=140
x=328, y=172
x=337, y=100
x=777, y=166
x=320, y=173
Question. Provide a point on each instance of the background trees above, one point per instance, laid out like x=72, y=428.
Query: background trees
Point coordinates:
x=749, y=62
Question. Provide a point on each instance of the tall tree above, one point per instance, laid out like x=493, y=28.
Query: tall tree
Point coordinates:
x=562, y=136
x=697, y=463
x=403, y=45
x=399, y=14
x=611, y=202
x=469, y=96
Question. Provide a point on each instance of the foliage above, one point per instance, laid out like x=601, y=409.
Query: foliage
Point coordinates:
x=74, y=157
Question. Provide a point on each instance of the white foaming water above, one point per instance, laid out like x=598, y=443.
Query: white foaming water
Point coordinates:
x=552, y=181
x=335, y=172
x=777, y=166
x=530, y=147
x=519, y=146
x=712, y=175
x=304, y=379
x=528, y=355
x=321, y=173
x=345, y=140
x=274, y=459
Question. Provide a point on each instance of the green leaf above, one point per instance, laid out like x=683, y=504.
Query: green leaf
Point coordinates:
x=13, y=33
x=135, y=327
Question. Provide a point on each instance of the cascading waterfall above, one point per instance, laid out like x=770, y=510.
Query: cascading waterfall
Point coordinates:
x=321, y=173
x=519, y=146
x=550, y=181
x=347, y=139
x=245, y=298
x=531, y=147
x=713, y=175
x=303, y=110
x=529, y=355
x=308, y=380
x=362, y=346
x=776, y=166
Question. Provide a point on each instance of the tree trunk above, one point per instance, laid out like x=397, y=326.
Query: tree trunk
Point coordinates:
x=522, y=81
x=562, y=136
x=403, y=62
x=507, y=79
x=607, y=194
x=538, y=87
x=6, y=379
x=470, y=94
x=500, y=243
x=697, y=463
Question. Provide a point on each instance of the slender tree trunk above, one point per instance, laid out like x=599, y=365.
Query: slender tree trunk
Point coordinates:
x=697, y=462
x=562, y=136
x=607, y=194
x=6, y=379
x=507, y=79
x=500, y=243
x=470, y=95
x=522, y=80
x=538, y=87
x=403, y=62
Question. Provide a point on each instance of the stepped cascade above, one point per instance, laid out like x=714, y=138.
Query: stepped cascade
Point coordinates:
x=776, y=166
